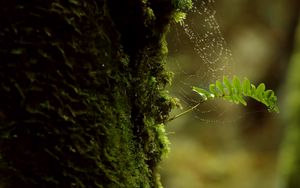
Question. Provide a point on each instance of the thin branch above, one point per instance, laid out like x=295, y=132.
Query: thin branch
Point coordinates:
x=183, y=113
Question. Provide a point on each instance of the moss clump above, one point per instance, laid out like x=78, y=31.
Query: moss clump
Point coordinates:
x=182, y=5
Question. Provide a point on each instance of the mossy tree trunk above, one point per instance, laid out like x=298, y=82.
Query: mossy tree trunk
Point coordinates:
x=290, y=153
x=82, y=97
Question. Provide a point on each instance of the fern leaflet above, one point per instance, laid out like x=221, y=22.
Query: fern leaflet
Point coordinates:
x=235, y=91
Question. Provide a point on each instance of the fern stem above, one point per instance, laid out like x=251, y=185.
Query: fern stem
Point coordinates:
x=183, y=113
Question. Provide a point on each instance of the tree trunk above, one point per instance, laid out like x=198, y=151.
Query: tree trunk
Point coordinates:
x=290, y=151
x=82, y=97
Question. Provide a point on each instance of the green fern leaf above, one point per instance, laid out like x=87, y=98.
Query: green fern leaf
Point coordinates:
x=237, y=85
x=202, y=92
x=260, y=90
x=242, y=100
x=212, y=88
x=220, y=89
x=228, y=85
x=235, y=91
x=246, y=86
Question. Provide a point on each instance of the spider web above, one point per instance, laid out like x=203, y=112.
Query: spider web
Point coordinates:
x=198, y=54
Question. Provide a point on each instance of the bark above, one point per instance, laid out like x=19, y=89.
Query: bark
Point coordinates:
x=82, y=97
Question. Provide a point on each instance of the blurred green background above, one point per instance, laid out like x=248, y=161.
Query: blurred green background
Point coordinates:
x=222, y=145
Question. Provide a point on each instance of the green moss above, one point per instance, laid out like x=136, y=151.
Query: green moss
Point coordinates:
x=182, y=5
x=82, y=93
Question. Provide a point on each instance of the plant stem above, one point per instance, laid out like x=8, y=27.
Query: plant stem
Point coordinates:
x=182, y=113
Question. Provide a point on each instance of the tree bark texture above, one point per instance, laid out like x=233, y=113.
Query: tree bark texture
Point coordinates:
x=82, y=97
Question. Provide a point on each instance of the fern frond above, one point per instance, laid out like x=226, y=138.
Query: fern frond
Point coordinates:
x=235, y=91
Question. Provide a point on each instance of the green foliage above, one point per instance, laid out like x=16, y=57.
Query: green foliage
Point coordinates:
x=182, y=4
x=181, y=7
x=179, y=17
x=235, y=90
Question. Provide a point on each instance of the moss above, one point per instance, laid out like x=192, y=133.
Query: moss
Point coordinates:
x=182, y=5
x=82, y=92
